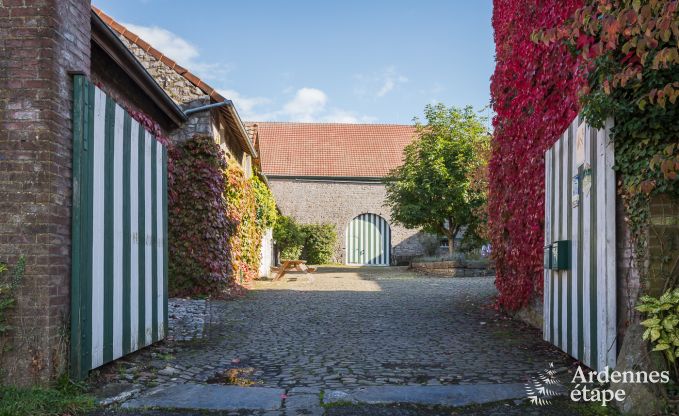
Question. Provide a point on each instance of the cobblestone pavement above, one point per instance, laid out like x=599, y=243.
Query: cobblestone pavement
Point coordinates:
x=346, y=328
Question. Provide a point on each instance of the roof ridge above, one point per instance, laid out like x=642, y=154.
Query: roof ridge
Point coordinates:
x=312, y=123
x=148, y=48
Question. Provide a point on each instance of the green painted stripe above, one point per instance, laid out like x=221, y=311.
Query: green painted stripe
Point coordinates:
x=581, y=294
x=154, y=246
x=79, y=92
x=127, y=233
x=593, y=255
x=165, y=241
x=142, y=241
x=87, y=236
x=569, y=236
x=551, y=236
x=108, y=228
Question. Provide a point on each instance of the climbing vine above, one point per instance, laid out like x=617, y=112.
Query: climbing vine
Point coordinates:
x=250, y=205
x=198, y=222
x=629, y=50
x=9, y=282
x=534, y=95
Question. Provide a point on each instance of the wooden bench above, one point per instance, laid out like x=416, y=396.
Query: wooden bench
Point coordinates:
x=299, y=265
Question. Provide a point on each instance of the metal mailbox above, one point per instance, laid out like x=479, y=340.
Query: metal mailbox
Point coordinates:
x=560, y=259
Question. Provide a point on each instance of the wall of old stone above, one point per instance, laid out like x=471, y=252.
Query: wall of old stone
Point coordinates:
x=106, y=74
x=338, y=203
x=182, y=91
x=41, y=41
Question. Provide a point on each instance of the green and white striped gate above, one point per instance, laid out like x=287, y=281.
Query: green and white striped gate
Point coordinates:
x=368, y=241
x=580, y=294
x=119, y=253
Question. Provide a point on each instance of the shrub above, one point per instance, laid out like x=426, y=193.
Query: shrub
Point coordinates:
x=266, y=205
x=289, y=237
x=430, y=244
x=319, y=242
x=662, y=322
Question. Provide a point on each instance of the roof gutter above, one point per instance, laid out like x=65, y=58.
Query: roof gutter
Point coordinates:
x=207, y=107
x=241, y=127
x=239, y=122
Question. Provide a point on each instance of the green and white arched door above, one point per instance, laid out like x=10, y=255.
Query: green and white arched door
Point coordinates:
x=368, y=241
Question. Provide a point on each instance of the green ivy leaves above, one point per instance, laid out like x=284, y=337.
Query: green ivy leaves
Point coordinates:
x=661, y=326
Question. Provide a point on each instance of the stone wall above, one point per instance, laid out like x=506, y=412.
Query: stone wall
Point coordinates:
x=454, y=268
x=338, y=203
x=41, y=41
x=117, y=84
x=182, y=91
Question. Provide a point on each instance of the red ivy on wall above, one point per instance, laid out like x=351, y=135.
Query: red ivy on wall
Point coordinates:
x=534, y=94
x=198, y=222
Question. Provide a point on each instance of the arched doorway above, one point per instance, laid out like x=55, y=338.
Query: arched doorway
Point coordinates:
x=368, y=241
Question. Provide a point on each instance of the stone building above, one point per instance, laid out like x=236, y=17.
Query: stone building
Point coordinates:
x=221, y=120
x=333, y=173
x=45, y=44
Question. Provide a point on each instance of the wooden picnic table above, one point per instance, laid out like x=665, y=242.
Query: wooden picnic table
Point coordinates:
x=299, y=265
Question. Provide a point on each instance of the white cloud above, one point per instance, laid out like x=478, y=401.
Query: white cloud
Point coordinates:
x=343, y=116
x=170, y=44
x=390, y=79
x=247, y=106
x=378, y=84
x=306, y=105
x=179, y=50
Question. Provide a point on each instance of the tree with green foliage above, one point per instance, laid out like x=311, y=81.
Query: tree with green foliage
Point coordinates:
x=433, y=189
x=319, y=242
x=289, y=237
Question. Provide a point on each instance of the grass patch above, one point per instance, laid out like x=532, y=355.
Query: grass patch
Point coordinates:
x=65, y=399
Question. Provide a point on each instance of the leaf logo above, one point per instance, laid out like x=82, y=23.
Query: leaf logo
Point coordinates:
x=540, y=388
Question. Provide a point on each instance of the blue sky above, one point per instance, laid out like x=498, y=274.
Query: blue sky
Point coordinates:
x=346, y=61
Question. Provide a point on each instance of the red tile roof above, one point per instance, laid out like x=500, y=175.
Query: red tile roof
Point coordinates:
x=331, y=149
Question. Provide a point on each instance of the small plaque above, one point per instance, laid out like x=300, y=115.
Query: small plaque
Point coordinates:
x=575, y=191
x=580, y=145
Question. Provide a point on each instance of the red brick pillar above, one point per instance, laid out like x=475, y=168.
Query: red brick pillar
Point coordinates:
x=41, y=43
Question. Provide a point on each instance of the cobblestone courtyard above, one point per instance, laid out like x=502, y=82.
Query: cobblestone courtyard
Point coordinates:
x=345, y=328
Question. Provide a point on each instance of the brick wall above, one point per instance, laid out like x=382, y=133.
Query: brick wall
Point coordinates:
x=40, y=42
x=338, y=203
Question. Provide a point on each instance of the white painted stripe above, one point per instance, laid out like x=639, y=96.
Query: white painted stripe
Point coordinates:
x=134, y=230
x=574, y=249
x=586, y=243
x=564, y=230
x=610, y=258
x=600, y=248
x=546, y=289
x=98, y=147
x=605, y=253
x=555, y=237
x=118, y=232
x=148, y=207
x=160, y=238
